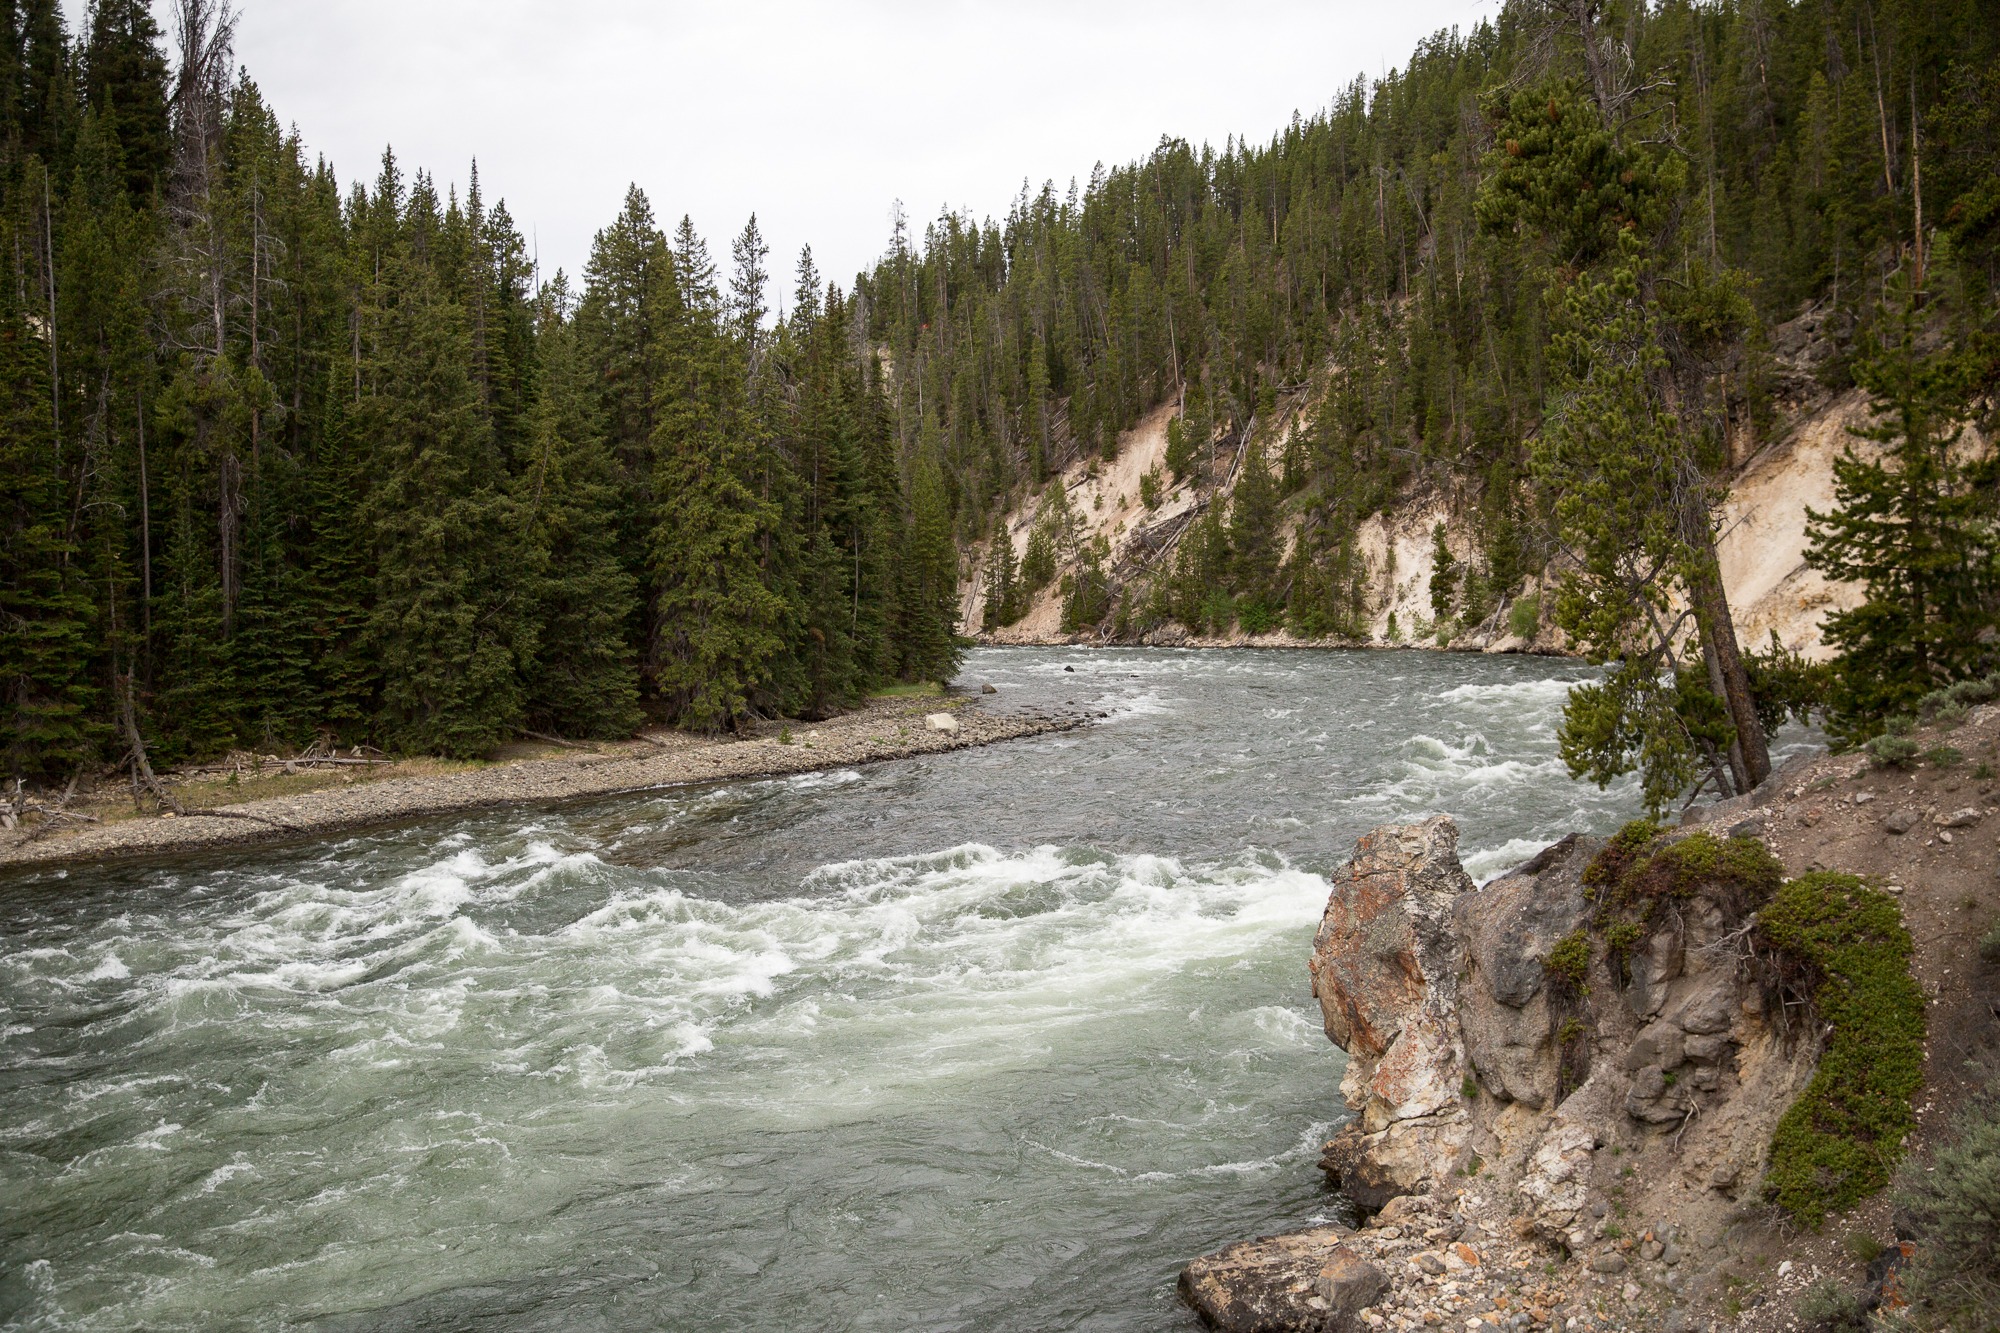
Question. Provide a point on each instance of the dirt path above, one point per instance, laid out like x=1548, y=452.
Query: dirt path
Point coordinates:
x=892, y=728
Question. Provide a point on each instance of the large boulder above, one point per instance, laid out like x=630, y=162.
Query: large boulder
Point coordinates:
x=1510, y=926
x=1305, y=1282
x=1385, y=968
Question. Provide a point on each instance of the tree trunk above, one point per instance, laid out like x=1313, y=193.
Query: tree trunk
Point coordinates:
x=1718, y=635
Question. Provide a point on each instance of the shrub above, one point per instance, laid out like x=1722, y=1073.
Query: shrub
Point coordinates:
x=1568, y=963
x=1638, y=872
x=1944, y=756
x=1989, y=944
x=1149, y=489
x=1525, y=617
x=1953, y=1206
x=1831, y=1308
x=1843, y=947
x=1890, y=751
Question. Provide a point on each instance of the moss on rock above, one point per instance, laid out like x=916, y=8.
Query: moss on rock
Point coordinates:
x=1842, y=945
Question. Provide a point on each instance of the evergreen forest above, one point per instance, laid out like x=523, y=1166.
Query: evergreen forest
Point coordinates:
x=283, y=458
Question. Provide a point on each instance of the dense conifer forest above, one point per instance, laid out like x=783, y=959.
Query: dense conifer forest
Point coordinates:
x=285, y=457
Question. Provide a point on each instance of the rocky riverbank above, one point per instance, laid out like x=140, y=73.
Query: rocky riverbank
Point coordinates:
x=1565, y=1085
x=886, y=728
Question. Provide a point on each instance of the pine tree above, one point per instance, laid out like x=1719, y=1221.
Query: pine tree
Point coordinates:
x=583, y=679
x=339, y=579
x=1916, y=527
x=45, y=615
x=1003, y=596
x=929, y=637
x=1255, y=544
x=1444, y=575
x=721, y=627
x=125, y=78
x=194, y=699
x=448, y=626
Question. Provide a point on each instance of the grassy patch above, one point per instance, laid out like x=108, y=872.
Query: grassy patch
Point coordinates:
x=923, y=689
x=1843, y=947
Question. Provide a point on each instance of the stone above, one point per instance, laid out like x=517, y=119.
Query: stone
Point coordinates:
x=1707, y=1012
x=1430, y=1261
x=1607, y=1263
x=1400, y=1211
x=1660, y=1044
x=1464, y=1253
x=1653, y=969
x=1900, y=822
x=1705, y=1050
x=1670, y=1254
x=1965, y=818
x=1630, y=1292
x=988, y=689
x=1302, y=1280
x=1651, y=1250
x=1863, y=797
x=1555, y=1183
x=943, y=722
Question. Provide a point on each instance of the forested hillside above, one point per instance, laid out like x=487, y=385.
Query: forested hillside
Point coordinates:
x=1536, y=271
x=283, y=457
x=286, y=457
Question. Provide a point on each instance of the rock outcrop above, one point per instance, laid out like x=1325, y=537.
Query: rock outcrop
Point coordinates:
x=1586, y=1045
x=1385, y=969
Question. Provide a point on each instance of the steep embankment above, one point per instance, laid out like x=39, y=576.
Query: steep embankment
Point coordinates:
x=1772, y=484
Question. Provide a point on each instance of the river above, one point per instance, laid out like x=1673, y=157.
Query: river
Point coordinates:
x=994, y=1040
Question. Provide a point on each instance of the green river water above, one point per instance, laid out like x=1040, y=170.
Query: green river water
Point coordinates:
x=988, y=1040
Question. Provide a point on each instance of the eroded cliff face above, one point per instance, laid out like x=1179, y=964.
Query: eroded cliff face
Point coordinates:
x=1774, y=480
x=1520, y=1081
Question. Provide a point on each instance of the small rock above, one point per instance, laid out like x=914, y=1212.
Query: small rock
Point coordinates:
x=943, y=722
x=1069, y=668
x=1631, y=1292
x=1863, y=797
x=988, y=689
x=1965, y=818
x=1388, y=1233
x=1651, y=1250
x=1945, y=838
x=1900, y=822
x=1430, y=1261
x=1785, y=1268
x=1670, y=1254
x=1607, y=1263
x=1465, y=1253
x=1400, y=1211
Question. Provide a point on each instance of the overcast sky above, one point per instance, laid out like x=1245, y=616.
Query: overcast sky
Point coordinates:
x=817, y=116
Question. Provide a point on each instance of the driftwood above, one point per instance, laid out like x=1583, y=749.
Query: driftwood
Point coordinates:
x=555, y=740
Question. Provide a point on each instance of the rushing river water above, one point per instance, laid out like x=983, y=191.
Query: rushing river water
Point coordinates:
x=986, y=1040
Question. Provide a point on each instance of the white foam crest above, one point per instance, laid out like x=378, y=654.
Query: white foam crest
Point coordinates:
x=1549, y=692
x=111, y=969
x=1489, y=863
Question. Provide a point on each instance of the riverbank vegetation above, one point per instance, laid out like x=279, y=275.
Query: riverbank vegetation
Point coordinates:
x=283, y=456
x=287, y=456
